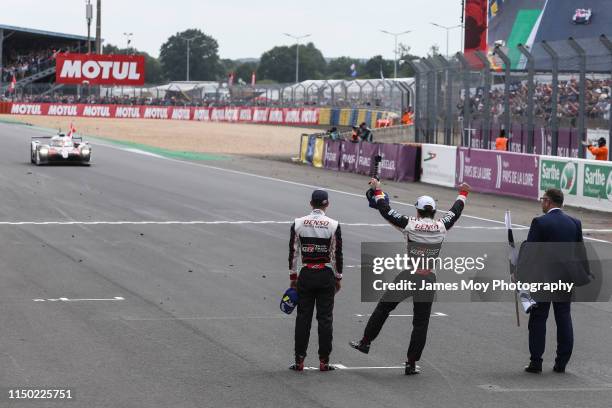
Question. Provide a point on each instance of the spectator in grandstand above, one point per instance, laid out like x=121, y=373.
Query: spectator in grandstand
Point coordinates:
x=600, y=151
x=365, y=133
x=501, y=143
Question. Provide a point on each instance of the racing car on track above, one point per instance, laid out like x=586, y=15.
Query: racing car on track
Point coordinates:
x=582, y=16
x=60, y=148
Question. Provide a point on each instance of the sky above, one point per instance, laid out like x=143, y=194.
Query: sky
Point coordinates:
x=247, y=28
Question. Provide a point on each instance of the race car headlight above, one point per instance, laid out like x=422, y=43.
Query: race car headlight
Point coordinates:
x=43, y=151
x=85, y=151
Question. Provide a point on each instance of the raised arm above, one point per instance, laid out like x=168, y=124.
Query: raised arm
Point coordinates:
x=455, y=211
x=378, y=200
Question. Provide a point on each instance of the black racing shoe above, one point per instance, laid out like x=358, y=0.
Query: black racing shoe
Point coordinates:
x=558, y=369
x=411, y=368
x=360, y=345
x=298, y=365
x=534, y=368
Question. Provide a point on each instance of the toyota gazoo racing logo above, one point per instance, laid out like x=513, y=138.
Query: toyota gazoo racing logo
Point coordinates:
x=568, y=177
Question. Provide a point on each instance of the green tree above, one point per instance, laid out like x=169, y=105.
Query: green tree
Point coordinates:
x=377, y=65
x=340, y=68
x=278, y=64
x=204, y=63
x=245, y=70
x=153, y=71
x=404, y=70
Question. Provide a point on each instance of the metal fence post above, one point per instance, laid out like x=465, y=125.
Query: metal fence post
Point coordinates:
x=431, y=103
x=530, y=92
x=467, y=102
x=417, y=109
x=582, y=96
x=608, y=44
x=487, y=99
x=554, y=119
x=448, y=103
x=507, y=68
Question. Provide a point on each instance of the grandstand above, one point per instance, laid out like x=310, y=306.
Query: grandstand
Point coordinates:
x=27, y=54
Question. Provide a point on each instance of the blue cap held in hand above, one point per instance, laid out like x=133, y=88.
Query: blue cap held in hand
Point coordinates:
x=289, y=301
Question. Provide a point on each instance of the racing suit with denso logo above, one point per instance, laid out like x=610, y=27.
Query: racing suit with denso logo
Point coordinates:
x=430, y=232
x=318, y=239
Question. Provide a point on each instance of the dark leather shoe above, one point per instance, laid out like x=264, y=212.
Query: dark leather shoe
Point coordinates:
x=558, y=369
x=534, y=368
x=411, y=369
x=360, y=345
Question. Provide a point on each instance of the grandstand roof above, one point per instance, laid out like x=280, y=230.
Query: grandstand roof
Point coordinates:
x=36, y=32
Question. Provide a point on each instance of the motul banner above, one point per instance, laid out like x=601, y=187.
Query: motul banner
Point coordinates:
x=280, y=116
x=98, y=69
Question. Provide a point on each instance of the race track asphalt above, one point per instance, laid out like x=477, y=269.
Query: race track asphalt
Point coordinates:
x=186, y=315
x=556, y=23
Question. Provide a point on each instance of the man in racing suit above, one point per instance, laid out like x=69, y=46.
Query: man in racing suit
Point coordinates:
x=420, y=229
x=318, y=239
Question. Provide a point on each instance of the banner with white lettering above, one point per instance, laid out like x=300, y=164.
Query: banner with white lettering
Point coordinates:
x=95, y=69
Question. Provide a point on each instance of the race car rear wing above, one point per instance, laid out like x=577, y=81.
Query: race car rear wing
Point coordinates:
x=80, y=138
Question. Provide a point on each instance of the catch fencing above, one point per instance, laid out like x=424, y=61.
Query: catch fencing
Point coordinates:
x=372, y=94
x=548, y=97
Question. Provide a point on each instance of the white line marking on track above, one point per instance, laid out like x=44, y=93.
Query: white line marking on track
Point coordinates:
x=64, y=299
x=435, y=314
x=343, y=367
x=497, y=388
x=206, y=318
x=243, y=173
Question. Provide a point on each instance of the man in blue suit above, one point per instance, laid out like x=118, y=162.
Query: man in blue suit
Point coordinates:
x=553, y=226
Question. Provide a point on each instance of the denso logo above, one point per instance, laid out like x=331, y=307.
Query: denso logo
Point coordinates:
x=62, y=110
x=105, y=70
x=316, y=223
x=24, y=109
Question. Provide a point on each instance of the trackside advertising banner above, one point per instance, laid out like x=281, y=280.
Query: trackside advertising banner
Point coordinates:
x=280, y=116
x=438, y=164
x=585, y=183
x=501, y=173
x=98, y=69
